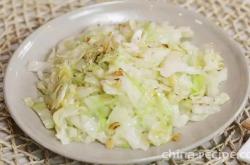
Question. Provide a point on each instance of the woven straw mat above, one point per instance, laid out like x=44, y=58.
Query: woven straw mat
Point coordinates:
x=19, y=18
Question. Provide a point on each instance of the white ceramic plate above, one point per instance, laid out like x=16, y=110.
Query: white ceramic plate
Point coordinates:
x=20, y=83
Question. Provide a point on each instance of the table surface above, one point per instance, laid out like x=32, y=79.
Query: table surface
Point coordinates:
x=18, y=18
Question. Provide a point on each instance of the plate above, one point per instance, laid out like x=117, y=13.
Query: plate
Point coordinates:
x=20, y=83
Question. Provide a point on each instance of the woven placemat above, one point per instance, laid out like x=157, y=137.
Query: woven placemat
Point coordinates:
x=18, y=18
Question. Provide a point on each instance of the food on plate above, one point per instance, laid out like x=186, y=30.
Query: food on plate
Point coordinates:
x=127, y=85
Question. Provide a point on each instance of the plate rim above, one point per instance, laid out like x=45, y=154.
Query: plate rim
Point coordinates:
x=218, y=131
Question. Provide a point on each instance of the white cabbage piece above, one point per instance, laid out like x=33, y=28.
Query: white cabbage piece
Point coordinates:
x=41, y=109
x=128, y=129
x=180, y=119
x=174, y=64
x=200, y=112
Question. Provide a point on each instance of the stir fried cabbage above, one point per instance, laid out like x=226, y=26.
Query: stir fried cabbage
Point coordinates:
x=127, y=85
